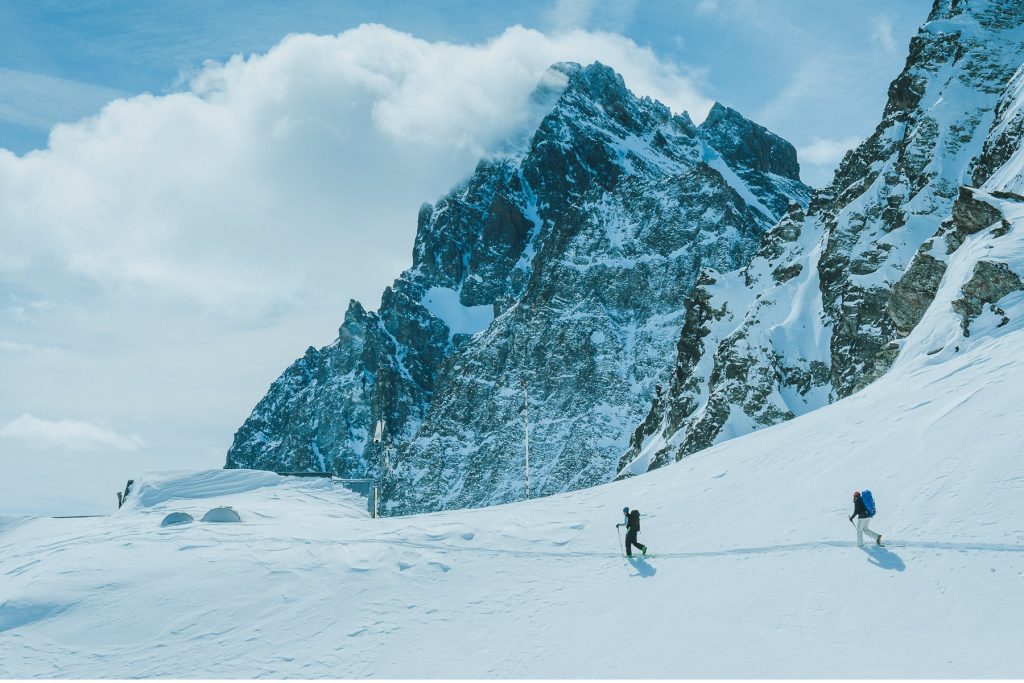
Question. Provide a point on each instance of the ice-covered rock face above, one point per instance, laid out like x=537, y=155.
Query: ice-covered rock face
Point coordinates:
x=565, y=267
x=821, y=311
x=895, y=189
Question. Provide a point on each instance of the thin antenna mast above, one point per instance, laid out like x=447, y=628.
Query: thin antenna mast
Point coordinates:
x=526, y=419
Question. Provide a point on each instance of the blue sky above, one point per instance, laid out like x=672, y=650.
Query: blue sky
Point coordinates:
x=808, y=69
x=189, y=199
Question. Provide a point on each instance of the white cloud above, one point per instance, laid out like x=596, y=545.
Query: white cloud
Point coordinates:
x=570, y=14
x=826, y=152
x=883, y=35
x=706, y=7
x=37, y=101
x=8, y=346
x=566, y=15
x=69, y=434
x=812, y=84
x=23, y=310
x=278, y=177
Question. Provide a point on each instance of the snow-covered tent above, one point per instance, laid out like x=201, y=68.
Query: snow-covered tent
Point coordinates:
x=176, y=518
x=222, y=514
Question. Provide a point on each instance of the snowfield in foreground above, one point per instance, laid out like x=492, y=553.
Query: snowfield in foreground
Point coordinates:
x=754, y=574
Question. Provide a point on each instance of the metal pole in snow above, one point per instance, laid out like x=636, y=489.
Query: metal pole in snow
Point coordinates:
x=526, y=416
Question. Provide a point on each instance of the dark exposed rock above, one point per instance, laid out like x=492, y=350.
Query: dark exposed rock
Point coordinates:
x=873, y=243
x=614, y=261
x=786, y=231
x=989, y=283
x=915, y=291
x=689, y=350
x=893, y=178
x=749, y=144
x=586, y=246
x=971, y=215
x=786, y=273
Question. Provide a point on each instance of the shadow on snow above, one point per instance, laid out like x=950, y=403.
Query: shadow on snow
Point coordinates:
x=643, y=568
x=884, y=558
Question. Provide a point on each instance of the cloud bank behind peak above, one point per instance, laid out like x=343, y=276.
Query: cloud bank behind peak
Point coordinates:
x=210, y=193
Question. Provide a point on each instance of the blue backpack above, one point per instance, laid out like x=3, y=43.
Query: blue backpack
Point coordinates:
x=869, y=502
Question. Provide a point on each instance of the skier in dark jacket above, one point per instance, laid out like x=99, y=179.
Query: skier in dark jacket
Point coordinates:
x=632, y=523
x=860, y=511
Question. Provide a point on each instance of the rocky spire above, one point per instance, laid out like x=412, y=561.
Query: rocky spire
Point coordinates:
x=565, y=266
x=743, y=142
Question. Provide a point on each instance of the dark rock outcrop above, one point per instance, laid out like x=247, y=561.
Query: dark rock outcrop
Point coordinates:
x=989, y=283
x=815, y=319
x=566, y=267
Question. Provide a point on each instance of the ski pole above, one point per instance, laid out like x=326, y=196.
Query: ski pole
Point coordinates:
x=622, y=552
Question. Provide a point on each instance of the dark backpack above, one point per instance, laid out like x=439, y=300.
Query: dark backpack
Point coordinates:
x=869, y=502
x=634, y=520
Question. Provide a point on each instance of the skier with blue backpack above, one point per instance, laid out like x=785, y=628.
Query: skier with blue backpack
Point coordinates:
x=864, y=510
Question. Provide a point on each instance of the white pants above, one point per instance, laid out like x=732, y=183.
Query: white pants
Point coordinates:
x=862, y=528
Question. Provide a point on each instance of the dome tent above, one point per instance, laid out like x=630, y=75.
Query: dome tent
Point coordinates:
x=176, y=518
x=222, y=514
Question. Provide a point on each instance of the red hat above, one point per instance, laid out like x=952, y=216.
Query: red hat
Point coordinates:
x=856, y=494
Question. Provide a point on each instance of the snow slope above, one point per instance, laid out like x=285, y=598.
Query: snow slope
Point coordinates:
x=755, y=572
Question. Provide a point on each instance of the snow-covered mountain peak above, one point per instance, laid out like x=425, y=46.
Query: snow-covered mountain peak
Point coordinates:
x=554, y=81
x=820, y=316
x=743, y=142
x=599, y=94
x=565, y=265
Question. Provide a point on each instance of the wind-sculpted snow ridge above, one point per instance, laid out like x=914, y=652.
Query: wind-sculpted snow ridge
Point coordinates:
x=565, y=267
x=159, y=487
x=247, y=491
x=824, y=307
x=753, y=574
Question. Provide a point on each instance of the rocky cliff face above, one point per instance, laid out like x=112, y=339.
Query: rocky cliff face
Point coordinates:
x=564, y=269
x=658, y=287
x=822, y=310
